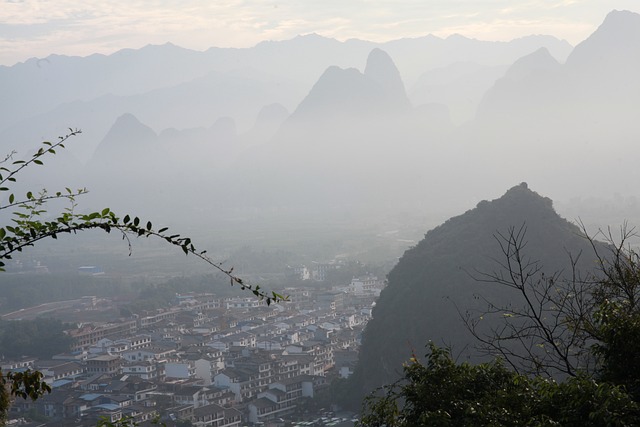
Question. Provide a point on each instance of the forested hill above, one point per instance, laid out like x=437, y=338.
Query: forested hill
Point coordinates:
x=436, y=278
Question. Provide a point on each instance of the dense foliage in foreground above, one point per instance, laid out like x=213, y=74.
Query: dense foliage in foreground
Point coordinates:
x=443, y=393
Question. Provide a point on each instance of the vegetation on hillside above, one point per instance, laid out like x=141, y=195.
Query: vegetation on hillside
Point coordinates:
x=565, y=353
x=441, y=392
x=436, y=279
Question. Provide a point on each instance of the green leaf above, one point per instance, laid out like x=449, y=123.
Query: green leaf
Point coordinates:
x=11, y=198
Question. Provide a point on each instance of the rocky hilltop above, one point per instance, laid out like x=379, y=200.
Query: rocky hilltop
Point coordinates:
x=434, y=281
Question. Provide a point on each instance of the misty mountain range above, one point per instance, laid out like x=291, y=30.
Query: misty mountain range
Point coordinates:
x=315, y=124
x=140, y=81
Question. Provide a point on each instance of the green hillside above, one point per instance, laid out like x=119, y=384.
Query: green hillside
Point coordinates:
x=436, y=279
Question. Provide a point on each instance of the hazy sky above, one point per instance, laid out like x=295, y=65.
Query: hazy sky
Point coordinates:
x=38, y=28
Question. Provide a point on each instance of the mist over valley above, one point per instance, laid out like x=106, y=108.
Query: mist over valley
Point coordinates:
x=366, y=180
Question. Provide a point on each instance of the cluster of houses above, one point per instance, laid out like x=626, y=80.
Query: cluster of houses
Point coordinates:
x=205, y=361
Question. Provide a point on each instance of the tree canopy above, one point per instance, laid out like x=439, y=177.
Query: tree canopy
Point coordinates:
x=441, y=392
x=41, y=338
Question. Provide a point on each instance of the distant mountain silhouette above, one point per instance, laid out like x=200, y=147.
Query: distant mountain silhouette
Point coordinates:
x=599, y=79
x=348, y=92
x=40, y=84
x=126, y=164
x=127, y=134
x=269, y=120
x=434, y=279
x=532, y=82
x=271, y=113
x=133, y=163
x=381, y=69
x=40, y=87
x=612, y=50
x=348, y=126
x=538, y=62
x=460, y=86
x=353, y=137
x=345, y=89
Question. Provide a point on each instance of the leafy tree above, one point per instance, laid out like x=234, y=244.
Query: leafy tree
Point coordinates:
x=31, y=222
x=40, y=338
x=26, y=385
x=614, y=326
x=441, y=392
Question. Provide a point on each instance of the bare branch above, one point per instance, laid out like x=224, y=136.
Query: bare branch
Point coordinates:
x=544, y=333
